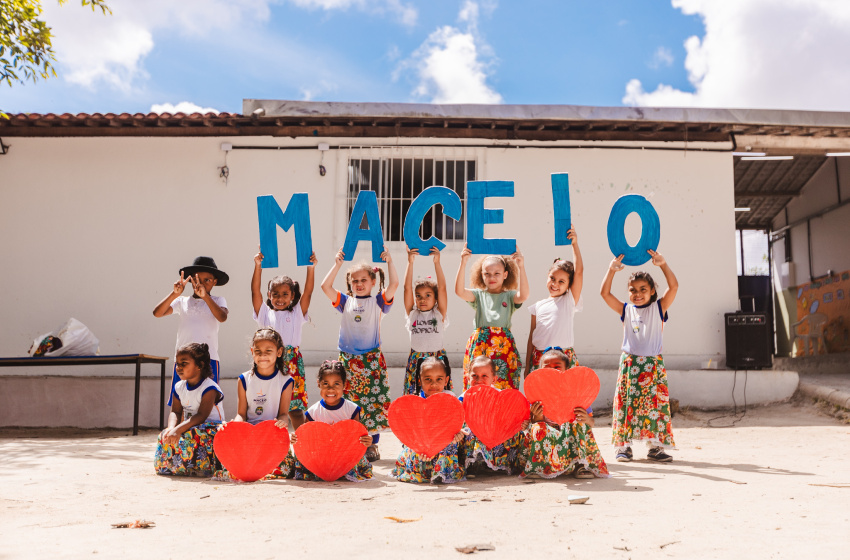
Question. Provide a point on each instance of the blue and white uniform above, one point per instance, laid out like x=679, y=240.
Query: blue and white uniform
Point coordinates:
x=343, y=410
x=263, y=394
x=643, y=328
x=190, y=397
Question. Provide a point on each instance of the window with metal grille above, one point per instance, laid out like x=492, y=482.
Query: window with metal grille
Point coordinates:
x=398, y=180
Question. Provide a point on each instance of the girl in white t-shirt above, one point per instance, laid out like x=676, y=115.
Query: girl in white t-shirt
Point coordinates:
x=185, y=446
x=425, y=305
x=552, y=318
x=285, y=310
x=642, y=400
x=360, y=339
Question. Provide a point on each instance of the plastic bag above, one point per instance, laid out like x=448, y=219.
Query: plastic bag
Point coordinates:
x=74, y=339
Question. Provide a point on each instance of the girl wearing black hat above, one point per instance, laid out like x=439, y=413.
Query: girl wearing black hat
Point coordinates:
x=201, y=313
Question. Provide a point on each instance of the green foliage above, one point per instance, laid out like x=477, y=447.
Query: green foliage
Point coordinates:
x=26, y=51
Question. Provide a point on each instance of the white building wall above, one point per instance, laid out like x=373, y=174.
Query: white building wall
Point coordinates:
x=97, y=228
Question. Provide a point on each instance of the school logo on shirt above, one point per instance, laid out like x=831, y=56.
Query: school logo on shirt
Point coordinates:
x=636, y=324
x=258, y=411
x=357, y=318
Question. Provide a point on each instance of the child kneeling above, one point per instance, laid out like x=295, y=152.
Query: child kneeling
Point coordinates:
x=550, y=450
x=448, y=465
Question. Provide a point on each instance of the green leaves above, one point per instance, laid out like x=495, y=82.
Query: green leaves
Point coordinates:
x=26, y=51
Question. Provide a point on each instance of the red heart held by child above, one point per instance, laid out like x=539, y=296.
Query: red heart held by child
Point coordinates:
x=426, y=426
x=562, y=391
x=330, y=450
x=494, y=416
x=251, y=452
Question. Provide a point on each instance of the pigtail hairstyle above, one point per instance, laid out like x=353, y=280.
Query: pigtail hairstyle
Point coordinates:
x=565, y=266
x=428, y=363
x=200, y=354
x=268, y=333
x=477, y=278
x=374, y=273
x=641, y=275
x=335, y=367
x=293, y=286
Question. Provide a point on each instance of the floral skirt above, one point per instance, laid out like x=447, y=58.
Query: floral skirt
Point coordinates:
x=292, y=468
x=294, y=364
x=192, y=456
x=499, y=345
x=368, y=387
x=447, y=467
x=503, y=457
x=412, y=385
x=549, y=452
x=572, y=359
x=642, y=402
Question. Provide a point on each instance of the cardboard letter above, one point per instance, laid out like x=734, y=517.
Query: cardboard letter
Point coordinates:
x=297, y=213
x=477, y=216
x=431, y=196
x=561, y=203
x=365, y=205
x=650, y=234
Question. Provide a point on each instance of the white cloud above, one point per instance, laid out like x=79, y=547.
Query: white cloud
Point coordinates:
x=95, y=49
x=780, y=54
x=661, y=57
x=405, y=13
x=324, y=86
x=186, y=107
x=452, y=65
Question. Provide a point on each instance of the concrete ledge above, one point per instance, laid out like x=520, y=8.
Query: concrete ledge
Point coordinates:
x=101, y=402
x=828, y=394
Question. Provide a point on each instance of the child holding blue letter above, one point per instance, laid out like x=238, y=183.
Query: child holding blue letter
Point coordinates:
x=494, y=298
x=360, y=339
x=285, y=310
x=642, y=400
x=425, y=303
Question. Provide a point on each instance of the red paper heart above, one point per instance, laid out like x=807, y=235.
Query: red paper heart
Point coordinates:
x=251, y=452
x=494, y=416
x=562, y=391
x=426, y=426
x=330, y=450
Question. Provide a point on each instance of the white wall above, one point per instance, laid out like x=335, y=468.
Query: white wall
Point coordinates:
x=97, y=228
x=829, y=233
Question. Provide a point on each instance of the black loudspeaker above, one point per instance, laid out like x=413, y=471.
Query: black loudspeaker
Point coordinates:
x=748, y=341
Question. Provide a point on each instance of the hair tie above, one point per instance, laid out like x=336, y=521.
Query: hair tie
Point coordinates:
x=375, y=269
x=428, y=277
x=556, y=260
x=558, y=348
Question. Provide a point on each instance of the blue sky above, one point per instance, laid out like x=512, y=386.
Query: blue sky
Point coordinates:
x=156, y=54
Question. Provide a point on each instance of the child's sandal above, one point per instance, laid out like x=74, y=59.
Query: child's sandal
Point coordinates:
x=372, y=453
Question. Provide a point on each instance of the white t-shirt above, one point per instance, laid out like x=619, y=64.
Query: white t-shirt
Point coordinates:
x=642, y=328
x=360, y=330
x=190, y=398
x=287, y=323
x=426, y=330
x=554, y=324
x=197, y=323
x=343, y=410
x=263, y=394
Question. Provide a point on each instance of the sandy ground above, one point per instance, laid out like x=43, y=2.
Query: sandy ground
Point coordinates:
x=773, y=485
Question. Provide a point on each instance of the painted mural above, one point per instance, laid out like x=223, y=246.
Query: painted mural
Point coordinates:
x=823, y=308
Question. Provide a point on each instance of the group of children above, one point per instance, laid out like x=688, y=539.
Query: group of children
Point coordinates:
x=355, y=386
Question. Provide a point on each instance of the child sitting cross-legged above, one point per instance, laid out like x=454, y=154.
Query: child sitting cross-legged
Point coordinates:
x=549, y=450
x=448, y=465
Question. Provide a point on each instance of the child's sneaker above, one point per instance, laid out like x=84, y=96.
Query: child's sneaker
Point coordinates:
x=658, y=454
x=624, y=454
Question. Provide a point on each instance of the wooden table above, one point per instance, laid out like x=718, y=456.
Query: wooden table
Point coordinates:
x=137, y=359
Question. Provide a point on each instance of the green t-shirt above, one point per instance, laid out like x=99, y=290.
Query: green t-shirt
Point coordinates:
x=494, y=310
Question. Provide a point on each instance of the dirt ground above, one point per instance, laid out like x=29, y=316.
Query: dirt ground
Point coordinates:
x=771, y=484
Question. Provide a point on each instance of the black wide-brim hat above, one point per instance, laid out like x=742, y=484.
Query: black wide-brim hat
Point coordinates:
x=205, y=264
